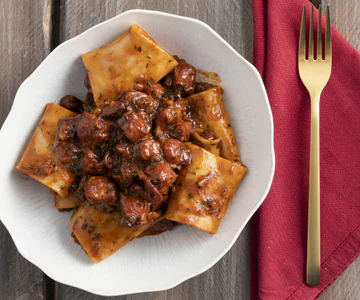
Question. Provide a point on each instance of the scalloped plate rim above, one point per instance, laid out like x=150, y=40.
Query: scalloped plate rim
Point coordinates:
x=28, y=255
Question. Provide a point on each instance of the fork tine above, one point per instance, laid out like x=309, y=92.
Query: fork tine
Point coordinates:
x=319, y=39
x=302, y=36
x=311, y=35
x=328, y=36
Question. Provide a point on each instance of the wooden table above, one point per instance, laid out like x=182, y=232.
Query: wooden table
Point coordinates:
x=30, y=29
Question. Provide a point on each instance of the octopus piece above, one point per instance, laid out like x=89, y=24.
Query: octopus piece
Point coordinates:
x=90, y=164
x=100, y=189
x=162, y=176
x=72, y=103
x=182, y=131
x=175, y=152
x=67, y=129
x=149, y=192
x=67, y=153
x=134, y=126
x=92, y=129
x=182, y=78
x=113, y=110
x=78, y=186
x=140, y=101
x=149, y=149
x=134, y=210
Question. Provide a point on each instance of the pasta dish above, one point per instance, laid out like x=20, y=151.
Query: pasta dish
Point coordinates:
x=150, y=147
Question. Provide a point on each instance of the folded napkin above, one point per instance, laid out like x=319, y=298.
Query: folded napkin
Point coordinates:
x=279, y=228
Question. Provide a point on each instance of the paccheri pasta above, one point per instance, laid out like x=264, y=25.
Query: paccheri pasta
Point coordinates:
x=151, y=147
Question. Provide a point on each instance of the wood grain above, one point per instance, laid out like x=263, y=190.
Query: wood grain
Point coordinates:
x=21, y=51
x=345, y=16
x=30, y=29
x=229, y=278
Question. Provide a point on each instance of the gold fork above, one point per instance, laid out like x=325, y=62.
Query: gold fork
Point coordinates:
x=314, y=74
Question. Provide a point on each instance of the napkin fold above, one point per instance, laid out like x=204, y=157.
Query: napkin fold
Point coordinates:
x=279, y=228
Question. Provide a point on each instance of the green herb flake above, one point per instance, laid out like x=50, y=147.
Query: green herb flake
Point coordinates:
x=190, y=196
x=34, y=149
x=132, y=218
x=100, y=95
x=193, y=172
x=188, y=209
x=135, y=46
x=147, y=66
x=170, y=60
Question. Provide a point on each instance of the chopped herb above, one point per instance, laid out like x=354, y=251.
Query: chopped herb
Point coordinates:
x=197, y=168
x=230, y=134
x=100, y=96
x=148, y=56
x=179, y=184
x=153, y=94
x=218, y=175
x=174, y=157
x=48, y=145
x=132, y=218
x=224, y=190
x=213, y=212
x=194, y=173
x=83, y=226
x=190, y=196
x=170, y=60
x=203, y=204
x=93, y=228
x=188, y=209
x=139, y=49
x=34, y=149
x=147, y=66
x=135, y=46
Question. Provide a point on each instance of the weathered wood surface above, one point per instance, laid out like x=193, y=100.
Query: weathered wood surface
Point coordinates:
x=22, y=49
x=345, y=16
x=31, y=29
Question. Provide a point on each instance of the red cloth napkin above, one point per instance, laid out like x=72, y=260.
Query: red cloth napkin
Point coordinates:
x=279, y=228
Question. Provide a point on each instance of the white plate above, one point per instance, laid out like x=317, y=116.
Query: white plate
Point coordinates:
x=42, y=234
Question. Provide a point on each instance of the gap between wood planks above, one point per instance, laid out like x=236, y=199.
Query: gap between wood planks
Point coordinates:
x=51, y=32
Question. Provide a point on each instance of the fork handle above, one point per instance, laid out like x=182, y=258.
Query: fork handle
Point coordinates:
x=313, y=238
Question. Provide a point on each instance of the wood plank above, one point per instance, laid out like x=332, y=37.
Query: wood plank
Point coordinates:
x=229, y=278
x=22, y=49
x=345, y=16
